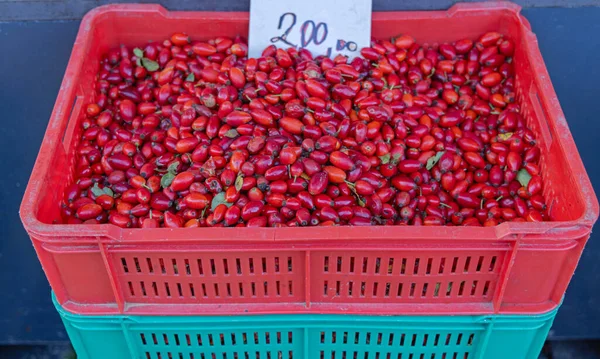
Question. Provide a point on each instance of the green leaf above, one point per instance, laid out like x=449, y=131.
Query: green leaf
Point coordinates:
x=385, y=159
x=97, y=191
x=432, y=161
x=523, y=177
x=218, y=199
x=505, y=136
x=352, y=187
x=167, y=179
x=361, y=202
x=150, y=65
x=139, y=53
x=109, y=192
x=190, y=77
x=231, y=133
x=138, y=62
x=396, y=158
x=432, y=73
x=173, y=167
x=239, y=182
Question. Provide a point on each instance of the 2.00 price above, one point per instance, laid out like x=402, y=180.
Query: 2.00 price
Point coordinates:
x=310, y=32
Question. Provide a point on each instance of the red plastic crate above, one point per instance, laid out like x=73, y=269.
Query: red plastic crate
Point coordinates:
x=510, y=268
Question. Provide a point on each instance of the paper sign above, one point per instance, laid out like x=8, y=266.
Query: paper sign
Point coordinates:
x=325, y=27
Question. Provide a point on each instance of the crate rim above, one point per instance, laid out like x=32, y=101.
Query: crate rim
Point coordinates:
x=572, y=229
x=303, y=317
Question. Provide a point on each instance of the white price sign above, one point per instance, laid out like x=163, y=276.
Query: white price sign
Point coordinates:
x=325, y=27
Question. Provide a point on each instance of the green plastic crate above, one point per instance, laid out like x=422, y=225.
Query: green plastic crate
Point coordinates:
x=307, y=336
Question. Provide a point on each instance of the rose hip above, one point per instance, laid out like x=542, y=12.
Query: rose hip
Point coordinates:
x=408, y=134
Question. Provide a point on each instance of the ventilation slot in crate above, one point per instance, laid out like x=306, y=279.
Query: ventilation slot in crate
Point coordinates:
x=405, y=277
x=211, y=277
x=223, y=344
x=395, y=344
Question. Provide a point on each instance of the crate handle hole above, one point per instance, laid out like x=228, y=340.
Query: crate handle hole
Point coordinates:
x=540, y=111
x=67, y=137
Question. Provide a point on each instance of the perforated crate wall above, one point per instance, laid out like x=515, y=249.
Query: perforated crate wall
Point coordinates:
x=307, y=337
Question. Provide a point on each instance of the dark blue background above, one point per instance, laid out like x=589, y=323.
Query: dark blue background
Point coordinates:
x=33, y=56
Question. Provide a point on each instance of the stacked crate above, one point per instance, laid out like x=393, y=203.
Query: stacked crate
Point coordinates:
x=321, y=292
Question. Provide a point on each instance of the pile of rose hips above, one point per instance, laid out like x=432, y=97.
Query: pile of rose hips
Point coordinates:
x=195, y=134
